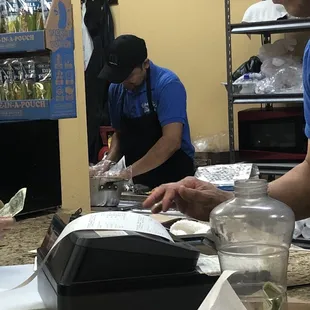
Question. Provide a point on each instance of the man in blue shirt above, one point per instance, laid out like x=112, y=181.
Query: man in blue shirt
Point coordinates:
x=197, y=198
x=147, y=106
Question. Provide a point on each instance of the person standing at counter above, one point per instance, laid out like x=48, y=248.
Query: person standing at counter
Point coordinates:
x=147, y=106
x=197, y=198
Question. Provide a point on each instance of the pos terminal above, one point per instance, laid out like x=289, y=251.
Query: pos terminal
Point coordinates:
x=118, y=270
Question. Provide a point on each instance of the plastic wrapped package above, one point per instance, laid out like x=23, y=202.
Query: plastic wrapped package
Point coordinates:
x=46, y=9
x=42, y=89
x=288, y=78
x=29, y=72
x=280, y=71
x=23, y=15
x=7, y=75
x=25, y=78
x=280, y=48
x=272, y=65
x=26, y=16
x=248, y=83
x=215, y=143
x=201, y=144
x=19, y=90
x=226, y=175
x=13, y=24
x=302, y=229
x=299, y=225
x=210, y=149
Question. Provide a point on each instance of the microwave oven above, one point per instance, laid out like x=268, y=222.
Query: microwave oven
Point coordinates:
x=273, y=135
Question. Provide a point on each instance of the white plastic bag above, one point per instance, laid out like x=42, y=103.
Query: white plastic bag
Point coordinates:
x=88, y=45
x=282, y=71
x=264, y=11
x=282, y=47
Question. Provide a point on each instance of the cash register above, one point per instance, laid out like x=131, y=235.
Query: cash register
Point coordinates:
x=122, y=270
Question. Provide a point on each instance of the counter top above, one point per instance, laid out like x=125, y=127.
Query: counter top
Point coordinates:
x=28, y=235
x=25, y=236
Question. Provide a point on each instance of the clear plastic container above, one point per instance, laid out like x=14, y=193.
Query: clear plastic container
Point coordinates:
x=253, y=234
x=248, y=82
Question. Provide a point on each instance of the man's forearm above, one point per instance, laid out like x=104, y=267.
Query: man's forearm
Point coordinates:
x=294, y=189
x=156, y=156
x=115, y=150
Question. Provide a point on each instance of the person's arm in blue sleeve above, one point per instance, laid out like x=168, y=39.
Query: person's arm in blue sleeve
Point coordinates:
x=114, y=154
x=171, y=113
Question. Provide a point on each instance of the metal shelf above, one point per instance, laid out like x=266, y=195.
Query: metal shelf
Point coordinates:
x=279, y=26
x=274, y=98
x=275, y=168
x=265, y=29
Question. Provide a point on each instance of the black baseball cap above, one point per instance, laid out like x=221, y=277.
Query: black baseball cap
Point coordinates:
x=125, y=53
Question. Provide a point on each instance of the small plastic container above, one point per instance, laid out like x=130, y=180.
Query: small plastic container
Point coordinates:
x=248, y=83
x=253, y=234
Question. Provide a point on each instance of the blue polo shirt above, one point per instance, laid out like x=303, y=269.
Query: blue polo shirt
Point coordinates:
x=169, y=100
x=306, y=82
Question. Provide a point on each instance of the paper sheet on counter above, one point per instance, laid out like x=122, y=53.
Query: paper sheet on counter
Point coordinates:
x=106, y=221
x=222, y=296
x=26, y=298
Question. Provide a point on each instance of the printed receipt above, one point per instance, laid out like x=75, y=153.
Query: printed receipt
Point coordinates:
x=113, y=221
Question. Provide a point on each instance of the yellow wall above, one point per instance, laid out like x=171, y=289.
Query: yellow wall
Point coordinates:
x=73, y=137
x=188, y=37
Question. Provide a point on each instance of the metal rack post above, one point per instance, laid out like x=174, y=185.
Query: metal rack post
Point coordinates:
x=229, y=82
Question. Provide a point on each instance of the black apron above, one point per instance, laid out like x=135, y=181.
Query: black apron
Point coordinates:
x=139, y=135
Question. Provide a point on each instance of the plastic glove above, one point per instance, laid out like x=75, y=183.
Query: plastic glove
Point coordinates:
x=125, y=174
x=101, y=168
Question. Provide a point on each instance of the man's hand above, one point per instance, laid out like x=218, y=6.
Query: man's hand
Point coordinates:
x=101, y=168
x=125, y=174
x=6, y=224
x=191, y=196
x=114, y=153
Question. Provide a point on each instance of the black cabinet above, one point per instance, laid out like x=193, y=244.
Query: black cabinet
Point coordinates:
x=29, y=157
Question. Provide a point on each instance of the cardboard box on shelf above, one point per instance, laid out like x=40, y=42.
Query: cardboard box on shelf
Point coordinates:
x=57, y=42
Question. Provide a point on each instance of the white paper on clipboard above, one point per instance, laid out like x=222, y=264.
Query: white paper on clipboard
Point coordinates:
x=113, y=221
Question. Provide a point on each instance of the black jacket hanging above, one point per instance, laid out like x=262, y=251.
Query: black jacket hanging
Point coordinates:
x=99, y=22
